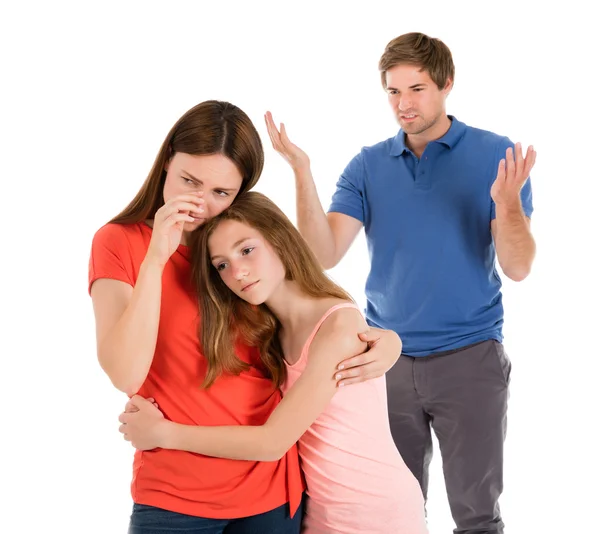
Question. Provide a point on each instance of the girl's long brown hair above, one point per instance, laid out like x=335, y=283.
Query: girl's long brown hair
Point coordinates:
x=211, y=127
x=226, y=318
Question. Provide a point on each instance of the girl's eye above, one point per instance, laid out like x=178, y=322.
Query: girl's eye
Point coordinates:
x=222, y=193
x=247, y=250
x=188, y=181
x=221, y=266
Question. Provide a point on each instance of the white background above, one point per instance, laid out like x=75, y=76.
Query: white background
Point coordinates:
x=89, y=92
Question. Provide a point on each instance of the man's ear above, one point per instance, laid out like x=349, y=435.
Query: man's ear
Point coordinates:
x=448, y=87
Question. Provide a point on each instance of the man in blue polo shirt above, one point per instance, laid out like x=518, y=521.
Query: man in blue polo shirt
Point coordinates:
x=438, y=201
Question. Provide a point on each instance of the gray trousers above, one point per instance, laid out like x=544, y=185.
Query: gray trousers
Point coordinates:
x=463, y=396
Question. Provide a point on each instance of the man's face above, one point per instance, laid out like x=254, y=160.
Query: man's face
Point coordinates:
x=416, y=100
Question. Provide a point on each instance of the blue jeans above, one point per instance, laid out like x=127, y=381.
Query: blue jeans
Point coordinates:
x=152, y=520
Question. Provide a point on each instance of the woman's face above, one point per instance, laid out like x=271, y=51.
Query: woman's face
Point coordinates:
x=246, y=261
x=215, y=175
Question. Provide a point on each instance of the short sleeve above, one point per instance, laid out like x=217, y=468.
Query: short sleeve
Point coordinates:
x=348, y=197
x=110, y=256
x=526, y=193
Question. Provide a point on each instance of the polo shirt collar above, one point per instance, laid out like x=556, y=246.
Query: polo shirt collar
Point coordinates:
x=450, y=138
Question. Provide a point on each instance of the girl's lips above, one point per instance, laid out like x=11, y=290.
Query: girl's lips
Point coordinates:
x=249, y=286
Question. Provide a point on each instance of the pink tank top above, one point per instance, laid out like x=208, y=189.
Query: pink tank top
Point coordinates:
x=357, y=481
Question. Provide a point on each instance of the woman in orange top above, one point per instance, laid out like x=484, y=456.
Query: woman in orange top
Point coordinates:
x=147, y=320
x=250, y=262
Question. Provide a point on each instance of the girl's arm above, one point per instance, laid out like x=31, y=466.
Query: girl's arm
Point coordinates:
x=310, y=395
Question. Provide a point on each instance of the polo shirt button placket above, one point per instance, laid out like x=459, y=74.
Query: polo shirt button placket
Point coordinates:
x=424, y=179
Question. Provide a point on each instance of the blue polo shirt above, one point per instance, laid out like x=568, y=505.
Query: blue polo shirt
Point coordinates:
x=427, y=222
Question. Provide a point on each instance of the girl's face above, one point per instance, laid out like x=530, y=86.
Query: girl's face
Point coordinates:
x=215, y=175
x=246, y=262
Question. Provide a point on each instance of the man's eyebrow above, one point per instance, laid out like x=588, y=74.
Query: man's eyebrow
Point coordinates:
x=411, y=87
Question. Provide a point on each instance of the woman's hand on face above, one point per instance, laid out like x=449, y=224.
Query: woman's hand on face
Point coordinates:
x=169, y=222
x=143, y=424
x=384, y=349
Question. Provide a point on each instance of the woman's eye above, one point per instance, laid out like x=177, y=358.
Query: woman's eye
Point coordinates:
x=247, y=250
x=222, y=193
x=221, y=266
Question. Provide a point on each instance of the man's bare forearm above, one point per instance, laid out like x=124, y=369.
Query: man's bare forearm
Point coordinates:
x=312, y=219
x=514, y=242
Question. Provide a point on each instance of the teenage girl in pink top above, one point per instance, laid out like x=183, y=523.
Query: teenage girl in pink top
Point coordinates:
x=251, y=263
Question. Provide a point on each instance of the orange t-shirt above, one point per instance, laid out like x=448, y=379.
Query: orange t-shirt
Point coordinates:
x=181, y=481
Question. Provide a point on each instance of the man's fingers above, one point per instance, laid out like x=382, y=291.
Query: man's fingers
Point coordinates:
x=529, y=161
x=510, y=163
x=519, y=161
x=501, y=170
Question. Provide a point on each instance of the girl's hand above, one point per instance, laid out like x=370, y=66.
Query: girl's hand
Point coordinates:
x=384, y=350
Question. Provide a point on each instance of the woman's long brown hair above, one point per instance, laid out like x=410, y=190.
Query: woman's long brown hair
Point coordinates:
x=211, y=127
x=226, y=318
